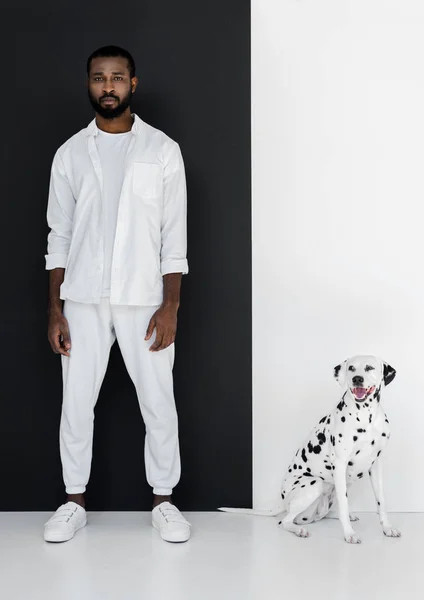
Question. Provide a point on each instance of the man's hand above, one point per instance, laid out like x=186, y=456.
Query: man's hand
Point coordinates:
x=165, y=322
x=58, y=334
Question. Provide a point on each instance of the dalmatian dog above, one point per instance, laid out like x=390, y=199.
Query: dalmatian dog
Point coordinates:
x=341, y=449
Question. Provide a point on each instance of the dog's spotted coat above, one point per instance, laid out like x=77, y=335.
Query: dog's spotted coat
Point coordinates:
x=315, y=461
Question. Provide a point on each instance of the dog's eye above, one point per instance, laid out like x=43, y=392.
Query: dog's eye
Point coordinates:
x=369, y=368
x=352, y=368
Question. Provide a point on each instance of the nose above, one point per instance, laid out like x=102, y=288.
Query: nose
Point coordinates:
x=108, y=87
x=358, y=380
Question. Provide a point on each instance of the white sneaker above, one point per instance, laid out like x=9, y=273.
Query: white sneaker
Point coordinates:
x=170, y=523
x=65, y=522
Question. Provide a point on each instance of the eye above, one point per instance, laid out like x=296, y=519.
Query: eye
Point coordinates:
x=118, y=77
x=352, y=368
x=369, y=368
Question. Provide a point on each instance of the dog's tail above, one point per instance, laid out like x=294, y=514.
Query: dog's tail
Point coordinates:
x=251, y=511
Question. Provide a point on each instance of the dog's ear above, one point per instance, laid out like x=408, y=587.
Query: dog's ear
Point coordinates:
x=340, y=373
x=389, y=373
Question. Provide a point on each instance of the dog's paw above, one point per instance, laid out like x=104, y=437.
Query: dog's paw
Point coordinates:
x=353, y=539
x=390, y=532
x=303, y=533
x=353, y=518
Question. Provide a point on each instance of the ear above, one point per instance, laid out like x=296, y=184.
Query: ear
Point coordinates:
x=340, y=373
x=389, y=373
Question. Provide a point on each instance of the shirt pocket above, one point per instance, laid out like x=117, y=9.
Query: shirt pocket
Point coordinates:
x=147, y=180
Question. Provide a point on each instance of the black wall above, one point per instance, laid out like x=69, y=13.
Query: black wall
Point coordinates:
x=193, y=62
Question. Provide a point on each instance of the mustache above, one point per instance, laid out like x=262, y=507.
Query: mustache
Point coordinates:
x=109, y=96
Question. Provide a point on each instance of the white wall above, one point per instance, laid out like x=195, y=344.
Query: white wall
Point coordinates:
x=338, y=227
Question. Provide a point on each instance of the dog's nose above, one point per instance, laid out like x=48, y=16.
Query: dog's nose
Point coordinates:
x=358, y=380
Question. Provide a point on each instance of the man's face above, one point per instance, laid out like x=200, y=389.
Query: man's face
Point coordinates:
x=110, y=88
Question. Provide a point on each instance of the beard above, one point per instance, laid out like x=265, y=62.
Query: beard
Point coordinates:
x=109, y=112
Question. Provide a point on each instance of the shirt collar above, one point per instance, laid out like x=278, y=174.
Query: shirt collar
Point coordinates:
x=92, y=128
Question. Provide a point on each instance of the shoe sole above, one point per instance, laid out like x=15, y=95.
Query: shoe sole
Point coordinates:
x=60, y=537
x=170, y=541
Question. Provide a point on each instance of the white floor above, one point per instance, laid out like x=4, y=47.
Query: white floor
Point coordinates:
x=119, y=556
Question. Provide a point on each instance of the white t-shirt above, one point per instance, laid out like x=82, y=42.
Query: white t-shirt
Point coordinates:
x=112, y=148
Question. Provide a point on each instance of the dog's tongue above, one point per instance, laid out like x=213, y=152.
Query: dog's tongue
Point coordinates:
x=360, y=392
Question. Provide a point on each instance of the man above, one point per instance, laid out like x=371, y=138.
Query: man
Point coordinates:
x=116, y=254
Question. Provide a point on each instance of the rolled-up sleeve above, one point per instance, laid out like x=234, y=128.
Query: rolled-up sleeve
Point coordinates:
x=60, y=213
x=174, y=221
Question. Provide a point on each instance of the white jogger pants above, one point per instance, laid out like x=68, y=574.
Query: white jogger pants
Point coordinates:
x=93, y=330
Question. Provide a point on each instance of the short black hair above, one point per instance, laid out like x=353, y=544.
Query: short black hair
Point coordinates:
x=105, y=51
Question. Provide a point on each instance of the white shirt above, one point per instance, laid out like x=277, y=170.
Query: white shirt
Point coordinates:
x=112, y=149
x=151, y=224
